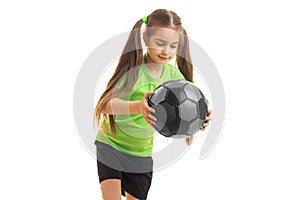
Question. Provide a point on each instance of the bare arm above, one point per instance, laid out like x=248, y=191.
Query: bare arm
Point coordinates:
x=118, y=106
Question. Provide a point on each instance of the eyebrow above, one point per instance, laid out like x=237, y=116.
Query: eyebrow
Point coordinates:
x=165, y=41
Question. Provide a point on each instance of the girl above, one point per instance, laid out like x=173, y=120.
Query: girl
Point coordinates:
x=125, y=139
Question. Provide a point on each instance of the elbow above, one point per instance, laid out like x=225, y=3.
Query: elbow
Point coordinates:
x=107, y=108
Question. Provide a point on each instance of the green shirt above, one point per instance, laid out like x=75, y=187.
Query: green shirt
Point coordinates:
x=134, y=135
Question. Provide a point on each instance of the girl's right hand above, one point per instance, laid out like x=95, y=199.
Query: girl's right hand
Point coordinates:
x=146, y=110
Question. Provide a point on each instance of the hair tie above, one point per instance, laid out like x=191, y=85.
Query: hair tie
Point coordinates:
x=145, y=19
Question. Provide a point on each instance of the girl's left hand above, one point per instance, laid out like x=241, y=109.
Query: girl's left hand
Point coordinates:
x=189, y=139
x=207, y=119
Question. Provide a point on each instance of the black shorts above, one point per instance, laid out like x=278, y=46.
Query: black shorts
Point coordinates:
x=136, y=184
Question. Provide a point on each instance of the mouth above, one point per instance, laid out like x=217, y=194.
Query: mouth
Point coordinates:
x=163, y=58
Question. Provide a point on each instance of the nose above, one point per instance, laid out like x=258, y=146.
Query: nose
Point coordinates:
x=165, y=52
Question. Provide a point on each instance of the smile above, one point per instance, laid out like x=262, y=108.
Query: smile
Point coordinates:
x=163, y=58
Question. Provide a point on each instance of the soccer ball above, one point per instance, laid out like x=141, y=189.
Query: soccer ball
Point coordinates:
x=180, y=108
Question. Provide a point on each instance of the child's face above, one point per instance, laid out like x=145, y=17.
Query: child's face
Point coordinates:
x=162, y=46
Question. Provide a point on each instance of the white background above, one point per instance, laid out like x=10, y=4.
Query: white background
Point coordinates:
x=254, y=45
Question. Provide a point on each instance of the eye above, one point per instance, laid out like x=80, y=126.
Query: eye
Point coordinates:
x=173, y=46
x=160, y=44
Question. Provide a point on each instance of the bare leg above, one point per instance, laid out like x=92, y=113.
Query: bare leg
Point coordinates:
x=130, y=197
x=111, y=189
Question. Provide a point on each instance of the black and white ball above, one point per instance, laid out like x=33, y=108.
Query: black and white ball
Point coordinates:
x=180, y=108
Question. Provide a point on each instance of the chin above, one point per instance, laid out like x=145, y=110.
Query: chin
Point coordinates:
x=162, y=61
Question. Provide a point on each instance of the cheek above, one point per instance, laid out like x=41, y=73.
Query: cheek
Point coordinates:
x=172, y=52
x=171, y=56
x=153, y=51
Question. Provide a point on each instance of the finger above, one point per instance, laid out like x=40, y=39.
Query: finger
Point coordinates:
x=148, y=94
x=207, y=102
x=204, y=125
x=151, y=117
x=207, y=119
x=148, y=108
x=209, y=113
x=150, y=122
x=151, y=109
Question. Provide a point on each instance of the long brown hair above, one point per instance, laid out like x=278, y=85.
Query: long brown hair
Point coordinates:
x=132, y=56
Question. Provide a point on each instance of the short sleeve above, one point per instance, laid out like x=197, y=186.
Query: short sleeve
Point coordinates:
x=179, y=75
x=176, y=73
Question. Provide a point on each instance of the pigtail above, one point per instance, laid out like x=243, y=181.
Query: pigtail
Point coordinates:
x=183, y=58
x=129, y=65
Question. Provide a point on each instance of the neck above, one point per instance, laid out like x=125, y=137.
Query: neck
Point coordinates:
x=154, y=69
